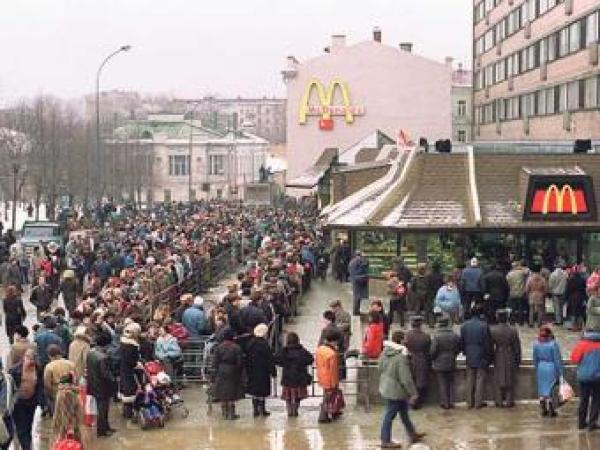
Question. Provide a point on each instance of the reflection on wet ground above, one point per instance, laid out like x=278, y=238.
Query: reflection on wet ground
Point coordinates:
x=461, y=429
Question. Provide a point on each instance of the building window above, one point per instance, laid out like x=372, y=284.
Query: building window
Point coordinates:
x=572, y=96
x=462, y=108
x=591, y=92
x=541, y=103
x=216, y=165
x=563, y=47
x=552, y=43
x=462, y=136
x=178, y=165
x=592, y=31
x=550, y=101
x=575, y=37
x=562, y=97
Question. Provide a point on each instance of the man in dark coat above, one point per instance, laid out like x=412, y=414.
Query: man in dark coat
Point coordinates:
x=101, y=382
x=260, y=368
x=507, y=358
x=402, y=272
x=496, y=287
x=445, y=347
x=41, y=297
x=358, y=270
x=252, y=314
x=418, y=344
x=476, y=344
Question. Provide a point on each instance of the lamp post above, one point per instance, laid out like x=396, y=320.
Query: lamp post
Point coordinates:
x=190, y=146
x=99, y=159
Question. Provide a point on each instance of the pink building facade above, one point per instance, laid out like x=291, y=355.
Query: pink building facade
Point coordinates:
x=536, y=73
x=336, y=99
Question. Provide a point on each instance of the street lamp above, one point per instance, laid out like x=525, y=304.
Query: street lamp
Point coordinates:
x=191, y=126
x=99, y=159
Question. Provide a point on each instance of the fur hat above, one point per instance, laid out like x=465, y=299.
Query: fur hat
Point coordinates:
x=261, y=330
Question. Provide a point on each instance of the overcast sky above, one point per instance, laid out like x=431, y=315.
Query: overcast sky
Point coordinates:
x=198, y=47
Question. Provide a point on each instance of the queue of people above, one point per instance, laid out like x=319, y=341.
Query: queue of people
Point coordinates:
x=116, y=317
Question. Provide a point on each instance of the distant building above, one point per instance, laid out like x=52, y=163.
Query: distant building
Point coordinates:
x=222, y=163
x=462, y=104
x=264, y=117
x=337, y=98
x=536, y=75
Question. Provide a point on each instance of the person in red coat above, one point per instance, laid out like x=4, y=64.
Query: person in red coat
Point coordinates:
x=373, y=341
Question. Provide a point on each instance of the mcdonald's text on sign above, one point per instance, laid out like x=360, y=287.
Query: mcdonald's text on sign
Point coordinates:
x=325, y=108
x=559, y=200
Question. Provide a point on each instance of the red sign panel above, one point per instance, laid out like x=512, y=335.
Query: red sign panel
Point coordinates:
x=559, y=200
x=326, y=124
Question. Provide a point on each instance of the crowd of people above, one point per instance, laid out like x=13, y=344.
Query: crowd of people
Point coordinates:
x=112, y=281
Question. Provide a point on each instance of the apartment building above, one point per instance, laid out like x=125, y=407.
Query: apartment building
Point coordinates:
x=264, y=117
x=536, y=74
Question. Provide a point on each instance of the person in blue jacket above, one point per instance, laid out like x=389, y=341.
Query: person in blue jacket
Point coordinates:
x=448, y=299
x=549, y=369
x=194, y=318
x=168, y=351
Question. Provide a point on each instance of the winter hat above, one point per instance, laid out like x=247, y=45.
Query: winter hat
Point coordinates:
x=132, y=331
x=261, y=330
x=474, y=262
x=198, y=301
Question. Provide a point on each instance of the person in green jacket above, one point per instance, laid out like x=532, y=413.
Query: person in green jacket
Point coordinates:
x=397, y=387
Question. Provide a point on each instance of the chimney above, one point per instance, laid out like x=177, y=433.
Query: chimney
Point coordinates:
x=338, y=42
x=406, y=46
x=449, y=60
x=377, y=34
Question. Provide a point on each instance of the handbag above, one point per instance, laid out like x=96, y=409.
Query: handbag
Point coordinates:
x=565, y=391
x=336, y=401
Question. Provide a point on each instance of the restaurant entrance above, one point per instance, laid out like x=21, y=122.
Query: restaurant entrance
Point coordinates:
x=544, y=249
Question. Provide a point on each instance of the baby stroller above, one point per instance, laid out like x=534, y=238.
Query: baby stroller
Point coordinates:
x=148, y=409
x=165, y=389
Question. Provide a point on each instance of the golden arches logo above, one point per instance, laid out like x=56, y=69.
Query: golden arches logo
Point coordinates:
x=325, y=97
x=560, y=198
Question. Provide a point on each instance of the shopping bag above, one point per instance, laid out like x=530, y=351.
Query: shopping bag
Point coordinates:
x=565, y=391
x=67, y=443
x=91, y=408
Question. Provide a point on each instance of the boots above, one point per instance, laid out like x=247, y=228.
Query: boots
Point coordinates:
x=263, y=408
x=289, y=406
x=553, y=412
x=295, y=406
x=256, y=407
x=224, y=410
x=231, y=412
x=543, y=408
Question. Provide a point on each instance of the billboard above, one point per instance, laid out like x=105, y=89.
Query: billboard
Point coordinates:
x=325, y=107
x=560, y=198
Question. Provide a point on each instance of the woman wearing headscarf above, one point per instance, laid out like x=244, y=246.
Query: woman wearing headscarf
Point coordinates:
x=78, y=350
x=68, y=289
x=29, y=384
x=14, y=311
x=228, y=364
x=260, y=368
x=294, y=359
x=130, y=361
x=548, y=365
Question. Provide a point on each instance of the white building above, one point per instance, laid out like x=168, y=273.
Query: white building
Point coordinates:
x=222, y=163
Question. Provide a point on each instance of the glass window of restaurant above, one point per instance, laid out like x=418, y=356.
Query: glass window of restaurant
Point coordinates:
x=591, y=246
x=381, y=248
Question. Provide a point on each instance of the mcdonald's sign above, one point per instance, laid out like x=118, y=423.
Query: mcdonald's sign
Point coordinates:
x=556, y=198
x=563, y=200
x=325, y=107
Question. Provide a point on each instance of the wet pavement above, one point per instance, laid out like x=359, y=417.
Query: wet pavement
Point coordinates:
x=519, y=429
